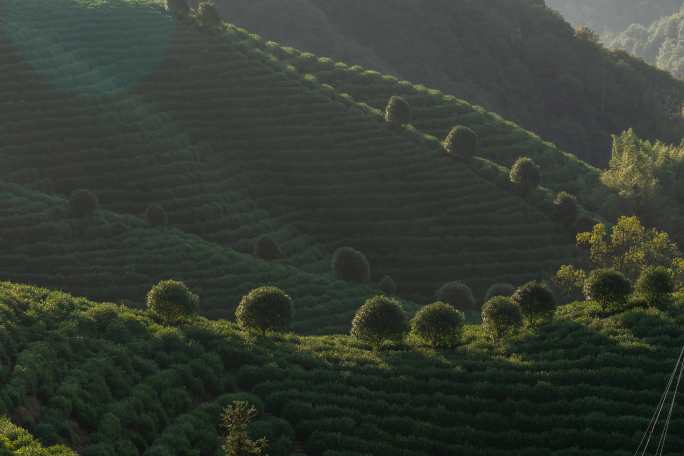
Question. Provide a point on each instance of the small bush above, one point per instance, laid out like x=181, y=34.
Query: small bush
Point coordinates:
x=178, y=7
x=267, y=249
x=462, y=142
x=379, y=319
x=566, y=207
x=207, y=15
x=439, y=325
x=526, y=175
x=388, y=286
x=351, y=265
x=156, y=216
x=536, y=302
x=608, y=287
x=458, y=295
x=265, y=309
x=499, y=289
x=501, y=316
x=398, y=112
x=171, y=301
x=83, y=203
x=656, y=285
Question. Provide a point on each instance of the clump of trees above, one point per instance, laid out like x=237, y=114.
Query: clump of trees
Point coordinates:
x=656, y=285
x=525, y=175
x=156, y=215
x=501, y=316
x=351, y=265
x=83, y=203
x=536, y=301
x=608, y=287
x=235, y=422
x=265, y=309
x=207, y=15
x=378, y=320
x=438, y=325
x=172, y=301
x=499, y=289
x=398, y=112
x=267, y=249
x=458, y=295
x=566, y=207
x=462, y=142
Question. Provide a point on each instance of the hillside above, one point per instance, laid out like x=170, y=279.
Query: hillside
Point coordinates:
x=180, y=120
x=517, y=58
x=104, y=380
x=613, y=16
x=659, y=44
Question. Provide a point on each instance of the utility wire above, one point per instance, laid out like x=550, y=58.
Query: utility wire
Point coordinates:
x=666, y=427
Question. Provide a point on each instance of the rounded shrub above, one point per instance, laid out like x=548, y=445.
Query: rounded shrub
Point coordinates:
x=351, y=265
x=83, y=203
x=458, y=295
x=499, y=289
x=398, y=112
x=156, y=215
x=207, y=15
x=656, y=285
x=608, y=287
x=525, y=174
x=171, y=301
x=501, y=316
x=439, y=325
x=537, y=303
x=379, y=319
x=566, y=207
x=267, y=249
x=462, y=142
x=388, y=286
x=265, y=309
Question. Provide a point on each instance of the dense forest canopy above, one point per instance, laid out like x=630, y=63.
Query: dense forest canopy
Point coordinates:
x=517, y=58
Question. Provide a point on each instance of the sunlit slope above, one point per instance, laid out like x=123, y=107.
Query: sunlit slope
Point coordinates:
x=236, y=146
x=107, y=380
x=118, y=258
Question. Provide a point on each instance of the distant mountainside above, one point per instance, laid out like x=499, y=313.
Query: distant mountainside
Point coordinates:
x=518, y=58
x=660, y=44
x=614, y=16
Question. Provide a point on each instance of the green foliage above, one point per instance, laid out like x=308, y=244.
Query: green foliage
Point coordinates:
x=656, y=285
x=566, y=207
x=178, y=7
x=83, y=203
x=387, y=286
x=156, y=215
x=499, y=289
x=265, y=309
x=525, y=174
x=235, y=420
x=458, y=295
x=608, y=287
x=462, y=142
x=267, y=249
x=378, y=320
x=398, y=112
x=537, y=303
x=17, y=441
x=350, y=265
x=207, y=15
x=439, y=325
x=172, y=301
x=501, y=317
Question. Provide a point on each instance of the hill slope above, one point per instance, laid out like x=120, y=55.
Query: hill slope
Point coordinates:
x=234, y=146
x=107, y=380
x=517, y=58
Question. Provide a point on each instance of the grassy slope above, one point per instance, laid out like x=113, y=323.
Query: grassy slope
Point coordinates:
x=581, y=386
x=235, y=145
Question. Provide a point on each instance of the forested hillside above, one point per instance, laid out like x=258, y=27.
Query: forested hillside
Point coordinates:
x=517, y=58
x=614, y=16
x=659, y=44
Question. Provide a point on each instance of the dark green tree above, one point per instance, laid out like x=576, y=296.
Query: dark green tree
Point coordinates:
x=235, y=420
x=439, y=325
x=388, y=286
x=525, y=175
x=265, y=309
x=566, y=207
x=207, y=15
x=499, y=289
x=656, y=285
x=83, y=203
x=351, y=265
x=156, y=215
x=171, y=301
x=458, y=295
x=379, y=319
x=462, y=142
x=608, y=287
x=536, y=302
x=398, y=112
x=267, y=249
x=501, y=317
x=178, y=7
